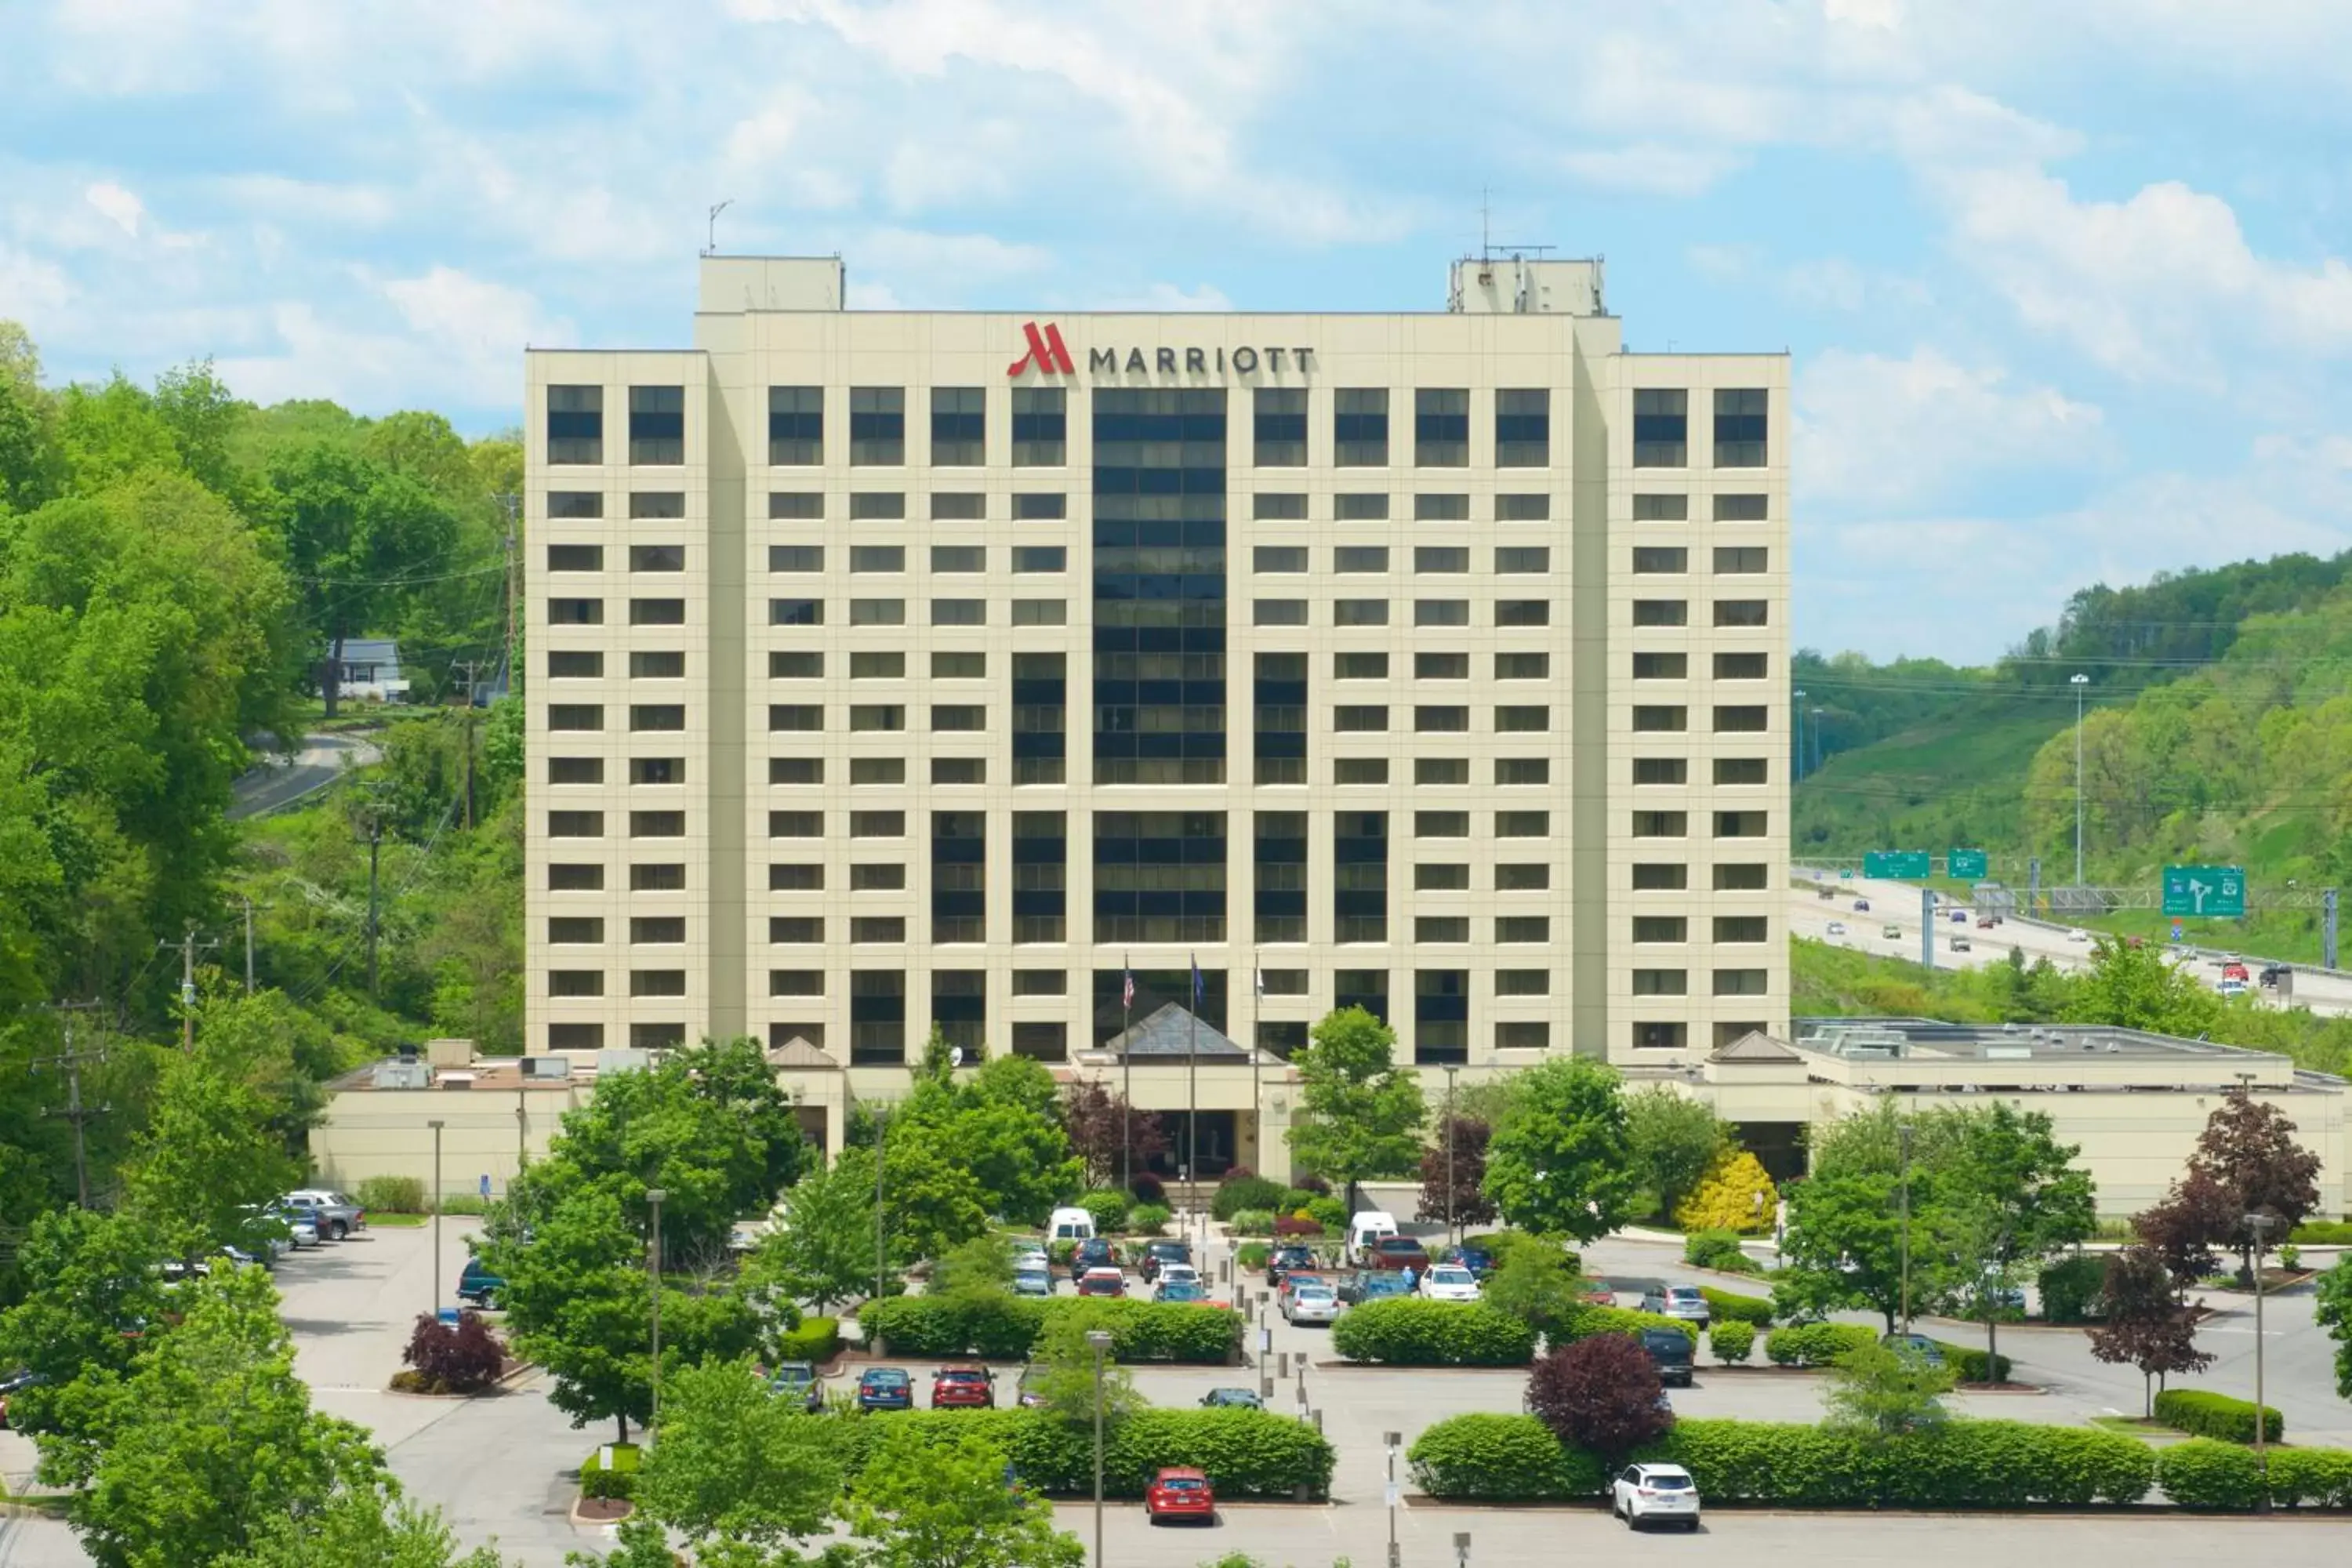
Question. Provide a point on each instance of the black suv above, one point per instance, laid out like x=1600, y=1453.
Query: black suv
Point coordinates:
x=1670, y=1352
x=1283, y=1260
x=1092, y=1253
x=1155, y=1253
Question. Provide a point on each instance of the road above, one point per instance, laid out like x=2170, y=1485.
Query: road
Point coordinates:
x=280, y=781
x=1898, y=904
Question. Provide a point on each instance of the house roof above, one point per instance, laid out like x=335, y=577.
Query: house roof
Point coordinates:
x=1170, y=1031
x=1757, y=1047
x=370, y=650
x=800, y=1054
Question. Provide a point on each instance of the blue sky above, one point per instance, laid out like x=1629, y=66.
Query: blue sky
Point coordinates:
x=2067, y=284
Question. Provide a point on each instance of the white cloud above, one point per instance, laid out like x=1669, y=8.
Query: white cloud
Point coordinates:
x=1650, y=168
x=30, y=288
x=121, y=208
x=1901, y=433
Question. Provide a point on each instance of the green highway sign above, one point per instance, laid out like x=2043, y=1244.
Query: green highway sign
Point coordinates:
x=2211, y=890
x=1900, y=864
x=1965, y=865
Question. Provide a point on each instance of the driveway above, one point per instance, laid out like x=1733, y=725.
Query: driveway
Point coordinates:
x=281, y=781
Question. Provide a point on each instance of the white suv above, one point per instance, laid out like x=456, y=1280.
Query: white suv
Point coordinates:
x=1643, y=1494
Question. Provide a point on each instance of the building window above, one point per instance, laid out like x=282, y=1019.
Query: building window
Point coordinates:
x=1441, y=1013
x=795, y=664
x=953, y=559
x=877, y=876
x=1359, y=667
x=959, y=505
x=1441, y=771
x=1740, y=771
x=795, y=825
x=1522, y=560
x=1269, y=559
x=878, y=426
x=878, y=558
x=573, y=878
x=1040, y=718
x=1651, y=928
x=1522, y=666
x=1040, y=558
x=1522, y=719
x=1732, y=929
x=796, y=770
x=795, y=506
x=958, y=718
x=1661, y=770
x=1442, y=877
x=1741, y=560
x=1352, y=559
x=795, y=427
x=1041, y=506
x=1739, y=983
x=1659, y=877
x=1279, y=742
x=1662, y=612
x=1661, y=825
x=796, y=558
x=561, y=666
x=878, y=666
x=575, y=824
x=575, y=612
x=1660, y=720
x=1522, y=509
x=1523, y=612
x=658, y=876
x=959, y=876
x=1740, y=877
x=959, y=769
x=1750, y=719
x=1040, y=427
x=576, y=982
x=1522, y=877
x=1275, y=506
x=1441, y=427
x=1740, y=613
x=868, y=717
x=1360, y=428
x=1740, y=419
x=1278, y=427
x=656, y=425
x=1740, y=666
x=575, y=426
x=1660, y=559
x=1438, y=666
x=1661, y=983
x=1516, y=929
x=1661, y=667
x=959, y=427
x=877, y=612
x=1160, y=875
x=1660, y=428
x=1279, y=871
x=958, y=612
x=1360, y=612
x=1739, y=509
x=1660, y=1036
x=1441, y=612
x=877, y=825
x=575, y=558
x=801, y=717
x=574, y=716
x=1662, y=509
x=575, y=770
x=883, y=506
x=1432, y=720
x=656, y=770
x=575, y=929
x=1523, y=429
x=575, y=505
x=1042, y=1039
x=1277, y=612
x=1441, y=508
x=1523, y=825
x=657, y=716
x=656, y=825
x=877, y=930
x=1360, y=506
x=1440, y=558
x=1040, y=856
x=1041, y=612
x=656, y=983
x=877, y=1018
x=1359, y=895
x=656, y=612
x=1041, y=982
x=1522, y=771
x=1360, y=718
x=1359, y=770
x=1441, y=824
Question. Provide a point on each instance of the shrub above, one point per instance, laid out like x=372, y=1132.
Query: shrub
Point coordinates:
x=1253, y=1222
x=1815, y=1344
x=465, y=1203
x=1148, y=1219
x=2319, y=1478
x=1251, y=1255
x=1730, y=1340
x=1148, y=1188
x=1296, y=1198
x=463, y=1357
x=2070, y=1289
x=816, y=1339
x=1969, y=1364
x=1297, y=1227
x=1246, y=1453
x=1582, y=1322
x=1966, y=1464
x=597, y=1481
x=1753, y=1309
x=1718, y=1251
x=1237, y=1193
x=2201, y=1413
x=1735, y=1194
x=391, y=1195
x=2290, y=1257
x=1502, y=1245
x=1328, y=1212
x=1600, y=1393
x=1310, y=1181
x=1109, y=1209
x=1152, y=1331
x=1000, y=1327
x=1408, y=1331
x=2322, y=1233
x=2208, y=1476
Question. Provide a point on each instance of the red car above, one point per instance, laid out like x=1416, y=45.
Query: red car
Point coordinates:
x=1180, y=1494
x=963, y=1388
x=1102, y=1283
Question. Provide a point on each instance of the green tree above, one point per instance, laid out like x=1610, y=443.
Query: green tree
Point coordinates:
x=924, y=1504
x=1061, y=1376
x=1845, y=1244
x=29, y=464
x=2334, y=1313
x=931, y=1194
x=360, y=1528
x=1881, y=1393
x=87, y=1279
x=2136, y=987
x=735, y=1464
x=1673, y=1139
x=2010, y=1198
x=822, y=1252
x=1359, y=1113
x=1561, y=1164
x=1539, y=1286
x=209, y=1158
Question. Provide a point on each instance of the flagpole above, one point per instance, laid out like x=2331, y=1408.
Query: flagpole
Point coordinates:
x=1126, y=1071
x=1257, y=997
x=1192, y=1088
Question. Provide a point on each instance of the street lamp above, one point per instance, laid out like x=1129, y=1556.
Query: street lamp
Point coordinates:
x=1903, y=1142
x=2078, y=681
x=1451, y=1239
x=1817, y=740
x=654, y=1196
x=437, y=1125
x=1100, y=1341
x=1393, y=1440
x=2257, y=1223
x=881, y=1131
x=1800, y=695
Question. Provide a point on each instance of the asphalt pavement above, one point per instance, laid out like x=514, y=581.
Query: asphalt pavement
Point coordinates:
x=281, y=781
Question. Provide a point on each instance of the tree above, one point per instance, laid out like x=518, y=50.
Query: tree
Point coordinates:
x=1537, y=1285
x=932, y=1198
x=1735, y=1196
x=1063, y=1377
x=2147, y=1325
x=1359, y=1113
x=1673, y=1139
x=822, y=1252
x=980, y=1267
x=1104, y=1131
x=1560, y=1165
x=2009, y=1196
x=86, y=1277
x=2181, y=1231
x=359, y=1529
x=1881, y=1394
x=2248, y=1147
x=207, y=1159
x=1845, y=1246
x=1601, y=1394
x=924, y=1504
x=2135, y=986
x=2334, y=1313
x=1459, y=1156
x=737, y=1464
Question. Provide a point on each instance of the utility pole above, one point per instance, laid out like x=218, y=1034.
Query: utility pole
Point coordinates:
x=247, y=899
x=1903, y=1142
x=375, y=843
x=472, y=666
x=189, y=947
x=2078, y=681
x=75, y=1112
x=513, y=505
x=2327, y=928
x=1801, y=734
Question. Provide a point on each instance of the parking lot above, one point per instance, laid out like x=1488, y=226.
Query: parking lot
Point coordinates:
x=496, y=1464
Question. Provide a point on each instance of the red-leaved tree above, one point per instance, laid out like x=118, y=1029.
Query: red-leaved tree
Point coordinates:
x=1600, y=1393
x=1471, y=1205
x=2248, y=1148
x=2147, y=1323
x=1103, y=1129
x=463, y=1357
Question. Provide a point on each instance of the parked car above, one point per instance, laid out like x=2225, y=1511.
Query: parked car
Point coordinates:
x=963, y=1388
x=1180, y=1274
x=1032, y=1279
x=1092, y=1253
x=1837, y=928
x=1180, y=1494
x=797, y=1380
x=17, y=1382
x=1283, y=1260
x=1102, y=1283
x=1028, y=1250
x=1373, y=1285
x=1682, y=1302
x=1184, y=1292
x=301, y=1226
x=1959, y=943
x=341, y=1216
x=1158, y=1254
x=1477, y=1259
x=1651, y=1494
x=885, y=1388
x=1984, y=922
x=1398, y=1252
x=1309, y=1301
x=1596, y=1293
x=479, y=1284
x=1917, y=1345
x=1070, y=1225
x=1449, y=1282
x=1232, y=1399
x=1670, y=1352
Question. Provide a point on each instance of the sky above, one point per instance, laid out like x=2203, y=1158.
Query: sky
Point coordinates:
x=2068, y=286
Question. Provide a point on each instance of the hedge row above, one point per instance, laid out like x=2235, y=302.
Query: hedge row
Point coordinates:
x=1582, y=1321
x=1406, y=1332
x=1971, y=1365
x=2211, y=1477
x=1731, y=1341
x=1737, y=1308
x=1966, y=1464
x=2072, y=1288
x=1006, y=1328
x=1245, y=1453
x=1718, y=1251
x=1815, y=1344
x=2322, y=1233
x=2217, y=1415
x=817, y=1339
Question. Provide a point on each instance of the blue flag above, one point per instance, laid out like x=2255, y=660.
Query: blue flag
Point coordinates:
x=1196, y=982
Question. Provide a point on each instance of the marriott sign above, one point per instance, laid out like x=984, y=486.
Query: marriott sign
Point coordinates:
x=1048, y=354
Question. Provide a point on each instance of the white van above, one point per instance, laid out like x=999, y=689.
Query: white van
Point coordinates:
x=1367, y=1226
x=1071, y=1225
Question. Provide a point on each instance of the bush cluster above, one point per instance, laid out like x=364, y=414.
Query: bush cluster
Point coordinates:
x=1756, y=1311
x=1147, y=1219
x=464, y=1203
x=1965, y=1464
x=1252, y=1255
x=1253, y=1222
x=2070, y=1288
x=2213, y=1476
x=2201, y=1413
x=998, y=1327
x=1731, y=1340
x=463, y=1357
x=816, y=1340
x=619, y=1481
x=1109, y=1209
x=1148, y=1188
x=1718, y=1251
x=1245, y=1453
x=1502, y=1245
x=2322, y=1233
x=391, y=1195
x=1815, y=1344
x=1239, y=1192
x=1407, y=1332
x=1581, y=1322
x=1969, y=1365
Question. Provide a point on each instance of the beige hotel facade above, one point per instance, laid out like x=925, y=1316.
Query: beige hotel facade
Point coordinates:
x=892, y=668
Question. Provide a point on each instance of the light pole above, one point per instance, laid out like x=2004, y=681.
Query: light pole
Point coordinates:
x=1817, y=740
x=1100, y=1341
x=1800, y=695
x=1393, y=1440
x=2078, y=681
x=654, y=1196
x=881, y=1131
x=436, y=1124
x=1451, y=1239
x=2256, y=1223
x=1903, y=1141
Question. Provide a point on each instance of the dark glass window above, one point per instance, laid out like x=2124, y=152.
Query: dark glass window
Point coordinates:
x=1040, y=719
x=1441, y=1016
x=1047, y=506
x=575, y=612
x=574, y=504
x=1741, y=560
x=795, y=506
x=1662, y=508
x=1278, y=868
x=878, y=426
x=1040, y=427
x=795, y=427
x=959, y=878
x=1660, y=428
x=656, y=557
x=657, y=424
x=1280, y=744
x=1359, y=506
x=575, y=770
x=1160, y=875
x=877, y=1018
x=1365, y=988
x=958, y=506
x=1739, y=509
x=1522, y=509
x=1359, y=427
x=1041, y=873
x=575, y=558
x=1743, y=613
x=1441, y=427
x=959, y=427
x=1661, y=612
x=1523, y=429
x=1279, y=426
x=575, y=426
x=1278, y=506
x=1359, y=895
x=1739, y=420
x=886, y=506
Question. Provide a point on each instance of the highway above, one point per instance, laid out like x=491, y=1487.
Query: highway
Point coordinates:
x=1898, y=904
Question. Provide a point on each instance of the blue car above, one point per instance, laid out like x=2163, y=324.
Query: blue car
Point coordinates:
x=886, y=1388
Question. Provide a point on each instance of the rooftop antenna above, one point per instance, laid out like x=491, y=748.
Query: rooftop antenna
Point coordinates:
x=712, y=247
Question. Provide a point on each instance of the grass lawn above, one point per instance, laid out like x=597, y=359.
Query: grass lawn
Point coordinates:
x=397, y=1221
x=2137, y=1426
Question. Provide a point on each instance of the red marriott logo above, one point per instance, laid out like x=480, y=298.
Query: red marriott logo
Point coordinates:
x=1045, y=350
